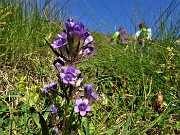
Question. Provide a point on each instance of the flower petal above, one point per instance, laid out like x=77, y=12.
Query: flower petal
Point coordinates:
x=82, y=113
x=62, y=75
x=72, y=82
x=78, y=101
x=77, y=71
x=88, y=40
x=76, y=109
x=86, y=101
x=88, y=108
x=65, y=81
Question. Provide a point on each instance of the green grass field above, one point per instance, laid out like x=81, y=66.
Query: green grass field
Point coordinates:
x=133, y=81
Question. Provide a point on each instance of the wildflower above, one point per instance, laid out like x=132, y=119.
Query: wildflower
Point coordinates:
x=82, y=106
x=88, y=89
x=73, y=43
x=88, y=39
x=56, y=131
x=94, y=95
x=71, y=70
x=53, y=109
x=67, y=78
x=79, y=29
x=89, y=94
x=88, y=50
x=69, y=24
x=52, y=85
x=60, y=41
x=58, y=64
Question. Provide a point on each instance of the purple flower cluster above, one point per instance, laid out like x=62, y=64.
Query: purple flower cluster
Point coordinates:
x=74, y=43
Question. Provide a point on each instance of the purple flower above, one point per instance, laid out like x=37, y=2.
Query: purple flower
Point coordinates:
x=82, y=106
x=75, y=29
x=53, y=109
x=89, y=94
x=69, y=24
x=56, y=131
x=86, y=34
x=60, y=41
x=79, y=29
x=71, y=70
x=52, y=85
x=88, y=40
x=67, y=78
x=88, y=89
x=94, y=95
x=73, y=42
x=58, y=64
x=88, y=50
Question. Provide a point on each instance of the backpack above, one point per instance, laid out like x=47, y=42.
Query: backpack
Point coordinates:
x=143, y=34
x=123, y=35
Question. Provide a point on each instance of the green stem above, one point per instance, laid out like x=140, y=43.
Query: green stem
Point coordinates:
x=64, y=120
x=69, y=121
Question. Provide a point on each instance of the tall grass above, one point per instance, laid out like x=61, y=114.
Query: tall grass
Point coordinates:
x=129, y=78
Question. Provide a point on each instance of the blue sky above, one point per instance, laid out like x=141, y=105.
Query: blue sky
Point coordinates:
x=107, y=15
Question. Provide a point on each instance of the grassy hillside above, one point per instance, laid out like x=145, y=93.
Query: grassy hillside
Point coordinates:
x=140, y=86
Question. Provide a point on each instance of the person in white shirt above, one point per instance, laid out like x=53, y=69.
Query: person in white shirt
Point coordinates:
x=143, y=34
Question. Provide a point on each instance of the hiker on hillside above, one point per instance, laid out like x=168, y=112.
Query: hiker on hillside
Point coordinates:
x=121, y=36
x=143, y=34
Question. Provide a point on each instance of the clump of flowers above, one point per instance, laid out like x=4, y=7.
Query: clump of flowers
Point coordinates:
x=73, y=45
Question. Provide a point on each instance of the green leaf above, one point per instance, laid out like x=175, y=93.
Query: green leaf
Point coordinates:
x=45, y=116
x=80, y=132
x=1, y=131
x=45, y=129
x=22, y=85
x=14, y=87
x=132, y=101
x=87, y=126
x=113, y=130
x=36, y=118
x=126, y=126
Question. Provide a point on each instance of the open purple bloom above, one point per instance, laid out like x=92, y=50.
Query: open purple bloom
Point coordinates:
x=67, y=78
x=71, y=70
x=60, y=41
x=82, y=106
x=53, y=109
x=79, y=29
